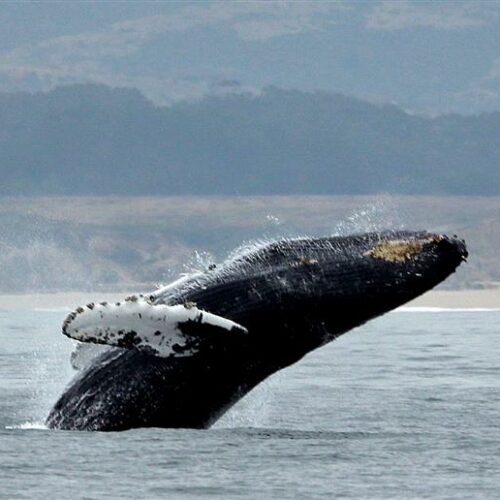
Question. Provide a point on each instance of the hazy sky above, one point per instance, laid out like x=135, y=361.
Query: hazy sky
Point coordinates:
x=430, y=57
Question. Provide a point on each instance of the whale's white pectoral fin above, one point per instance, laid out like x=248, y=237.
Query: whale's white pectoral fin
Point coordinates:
x=160, y=330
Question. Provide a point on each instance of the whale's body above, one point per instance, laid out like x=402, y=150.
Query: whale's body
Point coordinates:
x=290, y=296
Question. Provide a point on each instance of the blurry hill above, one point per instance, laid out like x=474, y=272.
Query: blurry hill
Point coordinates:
x=94, y=140
x=132, y=243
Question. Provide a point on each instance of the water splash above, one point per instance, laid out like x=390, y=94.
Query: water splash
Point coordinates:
x=256, y=408
x=273, y=220
x=381, y=214
x=30, y=425
x=199, y=261
x=42, y=364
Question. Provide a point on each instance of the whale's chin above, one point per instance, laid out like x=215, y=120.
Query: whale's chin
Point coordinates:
x=288, y=297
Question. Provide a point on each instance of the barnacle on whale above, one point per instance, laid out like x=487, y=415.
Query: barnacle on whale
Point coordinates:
x=399, y=250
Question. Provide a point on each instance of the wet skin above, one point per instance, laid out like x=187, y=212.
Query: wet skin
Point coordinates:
x=292, y=296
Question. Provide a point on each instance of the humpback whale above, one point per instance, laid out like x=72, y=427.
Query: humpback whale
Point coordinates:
x=183, y=355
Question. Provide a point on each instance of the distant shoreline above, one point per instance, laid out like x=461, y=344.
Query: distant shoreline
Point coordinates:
x=116, y=243
x=459, y=299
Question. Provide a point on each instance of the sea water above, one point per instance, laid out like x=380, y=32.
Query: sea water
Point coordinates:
x=406, y=406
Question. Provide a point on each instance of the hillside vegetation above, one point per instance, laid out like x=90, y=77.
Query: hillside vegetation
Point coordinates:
x=94, y=140
x=132, y=243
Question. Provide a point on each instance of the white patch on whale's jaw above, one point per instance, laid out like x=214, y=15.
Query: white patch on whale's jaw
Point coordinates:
x=136, y=323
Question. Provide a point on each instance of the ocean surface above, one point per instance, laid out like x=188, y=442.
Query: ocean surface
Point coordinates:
x=406, y=406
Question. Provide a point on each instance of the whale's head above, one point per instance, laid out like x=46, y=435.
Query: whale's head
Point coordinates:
x=363, y=276
x=311, y=290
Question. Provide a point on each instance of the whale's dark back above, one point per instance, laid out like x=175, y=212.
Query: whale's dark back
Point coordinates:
x=292, y=296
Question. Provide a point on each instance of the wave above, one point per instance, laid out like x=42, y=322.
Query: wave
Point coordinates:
x=28, y=425
x=412, y=309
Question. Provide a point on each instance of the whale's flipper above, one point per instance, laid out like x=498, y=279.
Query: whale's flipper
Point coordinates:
x=160, y=330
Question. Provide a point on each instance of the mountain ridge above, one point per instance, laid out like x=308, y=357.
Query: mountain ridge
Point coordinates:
x=92, y=139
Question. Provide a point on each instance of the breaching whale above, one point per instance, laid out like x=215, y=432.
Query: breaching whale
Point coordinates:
x=187, y=352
